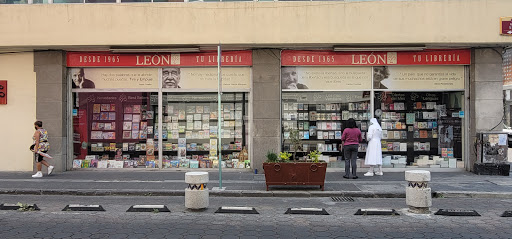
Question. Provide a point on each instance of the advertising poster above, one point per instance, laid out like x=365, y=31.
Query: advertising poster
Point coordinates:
x=418, y=77
x=113, y=78
x=325, y=78
x=205, y=78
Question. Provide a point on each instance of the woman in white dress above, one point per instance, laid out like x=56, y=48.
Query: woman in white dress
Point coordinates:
x=374, y=150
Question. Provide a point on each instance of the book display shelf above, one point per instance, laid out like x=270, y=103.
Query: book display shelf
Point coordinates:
x=321, y=124
x=413, y=123
x=190, y=130
x=121, y=130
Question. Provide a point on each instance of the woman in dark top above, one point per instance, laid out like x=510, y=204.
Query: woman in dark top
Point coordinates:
x=350, y=139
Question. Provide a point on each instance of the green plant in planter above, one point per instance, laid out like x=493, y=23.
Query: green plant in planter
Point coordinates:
x=285, y=156
x=296, y=141
x=314, y=155
x=271, y=157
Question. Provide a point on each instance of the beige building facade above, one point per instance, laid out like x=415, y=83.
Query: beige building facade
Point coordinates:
x=35, y=40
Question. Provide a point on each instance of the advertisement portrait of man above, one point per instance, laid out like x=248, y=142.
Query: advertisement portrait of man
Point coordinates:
x=380, y=73
x=78, y=79
x=290, y=78
x=171, y=77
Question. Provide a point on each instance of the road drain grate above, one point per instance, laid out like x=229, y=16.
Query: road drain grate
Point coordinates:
x=342, y=199
x=456, y=212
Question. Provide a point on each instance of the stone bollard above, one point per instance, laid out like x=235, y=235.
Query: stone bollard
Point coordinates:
x=418, y=194
x=196, y=194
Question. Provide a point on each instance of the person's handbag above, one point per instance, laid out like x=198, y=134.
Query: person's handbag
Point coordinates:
x=40, y=153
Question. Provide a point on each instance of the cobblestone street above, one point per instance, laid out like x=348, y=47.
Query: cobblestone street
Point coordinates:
x=52, y=222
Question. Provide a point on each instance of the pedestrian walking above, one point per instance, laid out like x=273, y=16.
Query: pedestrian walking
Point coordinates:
x=350, y=140
x=374, y=149
x=40, y=149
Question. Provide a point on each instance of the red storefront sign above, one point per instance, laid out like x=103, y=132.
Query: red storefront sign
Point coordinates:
x=107, y=59
x=331, y=58
x=506, y=26
x=3, y=92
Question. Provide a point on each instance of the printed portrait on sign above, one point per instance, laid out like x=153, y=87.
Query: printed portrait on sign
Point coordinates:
x=171, y=77
x=78, y=79
x=380, y=73
x=290, y=78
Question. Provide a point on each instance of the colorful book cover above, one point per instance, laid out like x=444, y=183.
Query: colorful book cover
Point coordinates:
x=449, y=152
x=181, y=114
x=150, y=115
x=213, y=115
x=96, y=108
x=86, y=163
x=104, y=116
x=127, y=134
x=197, y=125
x=194, y=164
x=105, y=107
x=175, y=163
x=111, y=115
x=143, y=134
x=77, y=163
x=184, y=163
x=444, y=152
x=128, y=117
x=135, y=126
x=96, y=135
x=127, y=125
x=128, y=109
x=191, y=109
x=150, y=164
x=135, y=134
x=136, y=118
x=102, y=164
x=396, y=134
x=337, y=134
x=410, y=118
x=137, y=109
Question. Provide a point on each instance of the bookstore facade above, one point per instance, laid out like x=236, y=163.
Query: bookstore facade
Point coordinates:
x=131, y=110
x=417, y=97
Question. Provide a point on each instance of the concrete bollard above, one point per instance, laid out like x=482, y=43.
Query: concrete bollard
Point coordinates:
x=418, y=194
x=196, y=194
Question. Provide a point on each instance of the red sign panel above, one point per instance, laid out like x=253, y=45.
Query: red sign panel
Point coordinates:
x=331, y=58
x=107, y=59
x=3, y=92
x=506, y=26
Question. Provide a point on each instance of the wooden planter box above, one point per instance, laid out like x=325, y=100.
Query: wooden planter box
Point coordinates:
x=295, y=174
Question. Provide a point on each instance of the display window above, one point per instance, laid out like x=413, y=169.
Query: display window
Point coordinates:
x=190, y=130
x=416, y=125
x=417, y=97
x=115, y=130
x=159, y=110
x=319, y=119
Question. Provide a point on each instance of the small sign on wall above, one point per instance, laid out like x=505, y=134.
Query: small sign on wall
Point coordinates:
x=3, y=92
x=506, y=26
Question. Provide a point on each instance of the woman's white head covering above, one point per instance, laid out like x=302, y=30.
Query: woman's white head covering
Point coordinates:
x=375, y=124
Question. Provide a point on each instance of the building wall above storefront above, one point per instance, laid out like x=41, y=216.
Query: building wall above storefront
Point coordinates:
x=290, y=24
